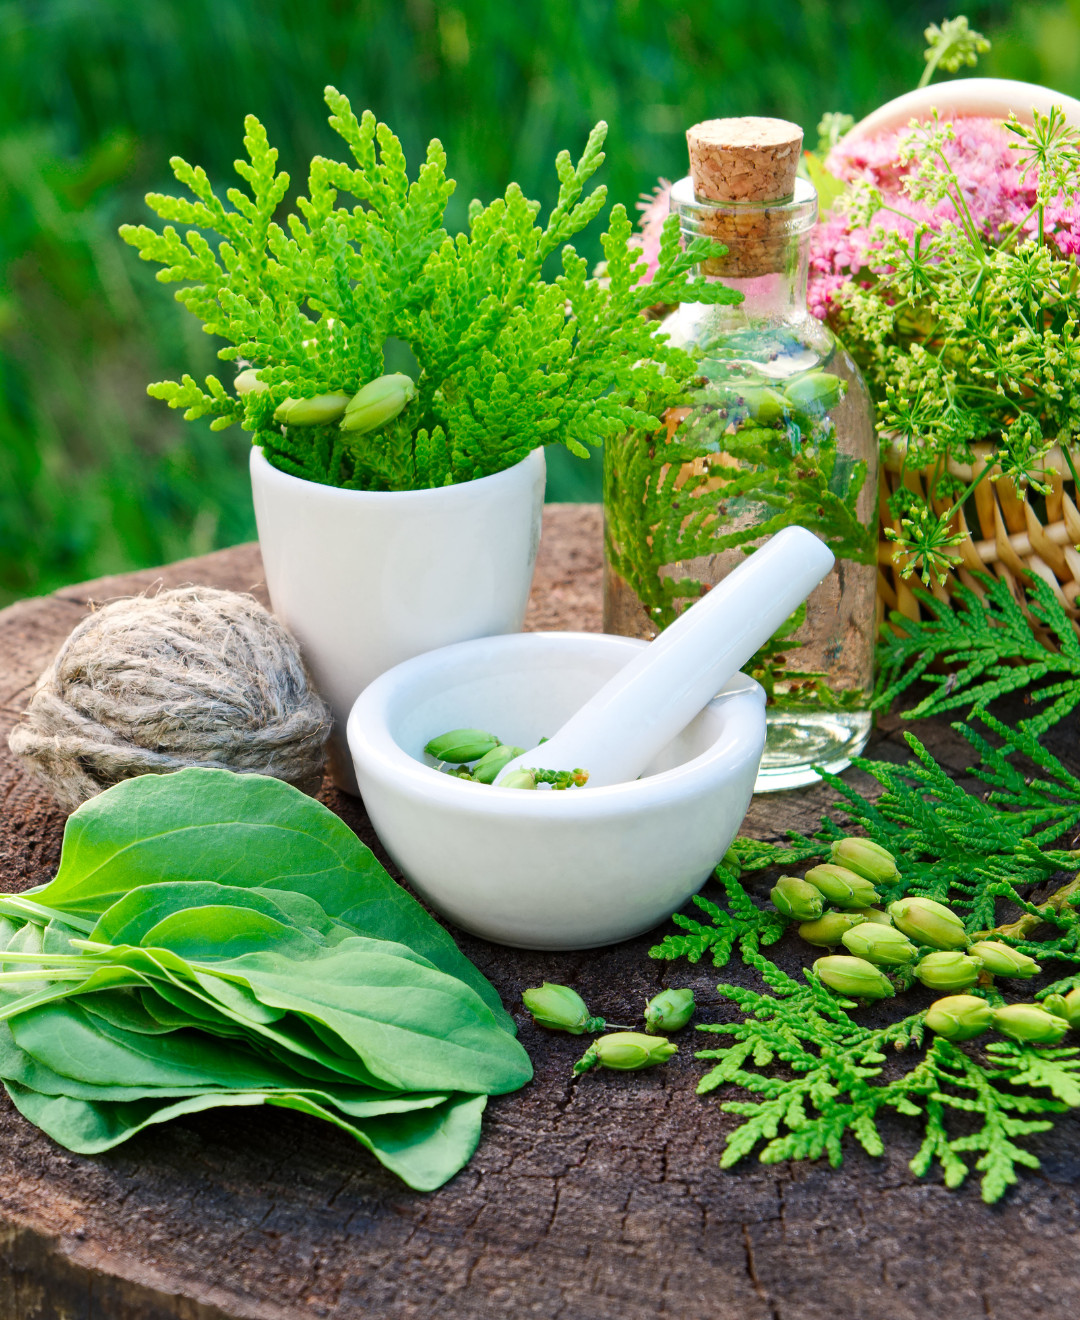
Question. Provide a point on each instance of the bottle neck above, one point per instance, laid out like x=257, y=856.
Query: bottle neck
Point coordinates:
x=772, y=296
x=768, y=247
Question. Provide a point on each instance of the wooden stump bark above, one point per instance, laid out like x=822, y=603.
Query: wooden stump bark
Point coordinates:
x=594, y=1200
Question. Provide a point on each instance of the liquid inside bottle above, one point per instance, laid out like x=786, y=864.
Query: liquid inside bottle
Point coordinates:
x=777, y=430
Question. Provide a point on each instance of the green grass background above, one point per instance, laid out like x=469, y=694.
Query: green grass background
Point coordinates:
x=98, y=94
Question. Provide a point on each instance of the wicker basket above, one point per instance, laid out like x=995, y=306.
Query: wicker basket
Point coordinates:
x=1011, y=541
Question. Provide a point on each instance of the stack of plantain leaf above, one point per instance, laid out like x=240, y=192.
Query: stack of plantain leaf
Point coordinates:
x=214, y=939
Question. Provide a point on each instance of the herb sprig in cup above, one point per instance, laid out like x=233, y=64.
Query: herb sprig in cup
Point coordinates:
x=506, y=359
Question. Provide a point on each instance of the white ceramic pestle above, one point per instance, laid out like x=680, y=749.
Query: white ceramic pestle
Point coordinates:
x=618, y=731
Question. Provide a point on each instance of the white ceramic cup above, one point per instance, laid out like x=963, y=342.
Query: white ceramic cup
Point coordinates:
x=964, y=98
x=544, y=869
x=364, y=579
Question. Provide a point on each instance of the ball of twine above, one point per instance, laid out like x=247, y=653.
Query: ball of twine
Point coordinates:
x=151, y=684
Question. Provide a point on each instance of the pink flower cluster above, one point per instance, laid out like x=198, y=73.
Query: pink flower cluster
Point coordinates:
x=989, y=176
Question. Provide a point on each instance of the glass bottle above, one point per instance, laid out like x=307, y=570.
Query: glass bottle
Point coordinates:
x=777, y=429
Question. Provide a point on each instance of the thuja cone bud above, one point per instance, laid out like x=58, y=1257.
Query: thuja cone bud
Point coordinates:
x=828, y=931
x=1072, y=1008
x=873, y=914
x=947, y=970
x=670, y=1010
x=763, y=403
x=865, y=858
x=959, y=1017
x=1058, y=1005
x=817, y=390
x=1002, y=960
x=317, y=411
x=377, y=403
x=493, y=763
x=561, y=1009
x=841, y=886
x=248, y=382
x=626, y=1051
x=853, y=976
x=797, y=899
x=884, y=946
x=927, y=922
x=461, y=745
x=518, y=779
x=1029, y=1024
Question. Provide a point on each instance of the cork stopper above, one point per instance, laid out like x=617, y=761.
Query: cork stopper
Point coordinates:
x=748, y=166
x=744, y=160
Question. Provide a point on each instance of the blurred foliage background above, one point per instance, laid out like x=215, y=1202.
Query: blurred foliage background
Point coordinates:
x=98, y=94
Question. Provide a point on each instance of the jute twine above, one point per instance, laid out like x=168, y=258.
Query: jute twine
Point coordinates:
x=151, y=684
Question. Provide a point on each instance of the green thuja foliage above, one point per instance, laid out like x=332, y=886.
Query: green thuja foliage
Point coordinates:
x=987, y=645
x=840, y=1084
x=747, y=926
x=813, y=1072
x=506, y=360
x=670, y=496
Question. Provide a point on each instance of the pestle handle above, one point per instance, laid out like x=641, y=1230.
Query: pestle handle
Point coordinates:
x=637, y=712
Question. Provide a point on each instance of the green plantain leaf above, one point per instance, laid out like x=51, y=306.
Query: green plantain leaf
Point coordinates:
x=413, y=1026
x=192, y=992
x=424, y=1148
x=249, y=831
x=128, y=920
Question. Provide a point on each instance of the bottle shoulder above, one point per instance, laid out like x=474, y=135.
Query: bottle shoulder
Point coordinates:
x=777, y=346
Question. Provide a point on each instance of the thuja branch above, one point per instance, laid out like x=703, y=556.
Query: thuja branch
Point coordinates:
x=505, y=360
x=1067, y=896
x=812, y=1074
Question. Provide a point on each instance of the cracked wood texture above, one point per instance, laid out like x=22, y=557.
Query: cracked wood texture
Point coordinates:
x=597, y=1200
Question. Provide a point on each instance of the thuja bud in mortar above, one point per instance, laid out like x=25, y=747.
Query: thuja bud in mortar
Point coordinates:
x=865, y=858
x=947, y=969
x=559, y=1008
x=959, y=1017
x=927, y=922
x=882, y=945
x=626, y=1051
x=841, y=886
x=797, y=899
x=828, y=931
x=1001, y=960
x=493, y=763
x=1029, y=1024
x=853, y=976
x=670, y=1010
x=462, y=745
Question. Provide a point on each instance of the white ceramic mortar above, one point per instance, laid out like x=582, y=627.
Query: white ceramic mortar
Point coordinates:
x=548, y=870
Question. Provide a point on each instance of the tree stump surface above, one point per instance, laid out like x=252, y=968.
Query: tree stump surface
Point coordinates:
x=594, y=1200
